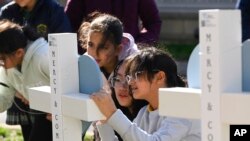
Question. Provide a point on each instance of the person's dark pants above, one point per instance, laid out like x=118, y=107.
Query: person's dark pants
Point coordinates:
x=16, y=115
x=26, y=130
x=42, y=129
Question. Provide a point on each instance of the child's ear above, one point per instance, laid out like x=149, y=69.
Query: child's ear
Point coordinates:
x=20, y=53
x=160, y=77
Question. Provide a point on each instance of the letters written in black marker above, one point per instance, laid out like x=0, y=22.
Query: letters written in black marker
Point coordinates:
x=3, y=84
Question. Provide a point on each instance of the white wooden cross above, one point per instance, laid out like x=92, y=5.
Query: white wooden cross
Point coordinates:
x=62, y=98
x=220, y=102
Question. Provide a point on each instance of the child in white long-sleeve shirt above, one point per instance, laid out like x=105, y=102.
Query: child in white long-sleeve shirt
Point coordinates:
x=147, y=71
x=24, y=64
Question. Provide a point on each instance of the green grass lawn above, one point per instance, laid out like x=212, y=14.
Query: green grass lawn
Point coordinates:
x=10, y=134
x=89, y=136
x=16, y=135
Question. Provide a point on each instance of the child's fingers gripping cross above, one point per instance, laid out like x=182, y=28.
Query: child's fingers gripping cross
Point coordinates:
x=104, y=102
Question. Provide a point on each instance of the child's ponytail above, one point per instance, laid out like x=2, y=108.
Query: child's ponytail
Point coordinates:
x=180, y=81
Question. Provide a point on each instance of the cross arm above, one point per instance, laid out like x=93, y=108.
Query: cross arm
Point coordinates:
x=186, y=103
x=235, y=108
x=79, y=106
x=40, y=98
x=180, y=102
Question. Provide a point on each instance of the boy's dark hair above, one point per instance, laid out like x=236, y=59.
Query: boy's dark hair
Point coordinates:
x=151, y=60
x=13, y=36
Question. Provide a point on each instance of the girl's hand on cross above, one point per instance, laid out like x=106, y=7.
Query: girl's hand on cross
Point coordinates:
x=104, y=102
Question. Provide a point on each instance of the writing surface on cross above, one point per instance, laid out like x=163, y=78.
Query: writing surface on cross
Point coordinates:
x=62, y=98
x=220, y=102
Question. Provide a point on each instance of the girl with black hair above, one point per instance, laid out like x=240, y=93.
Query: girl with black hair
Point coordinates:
x=147, y=71
x=121, y=93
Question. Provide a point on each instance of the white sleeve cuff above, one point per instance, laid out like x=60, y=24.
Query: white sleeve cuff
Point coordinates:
x=106, y=132
x=119, y=122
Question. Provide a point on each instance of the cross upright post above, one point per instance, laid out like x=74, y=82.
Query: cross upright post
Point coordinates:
x=63, y=65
